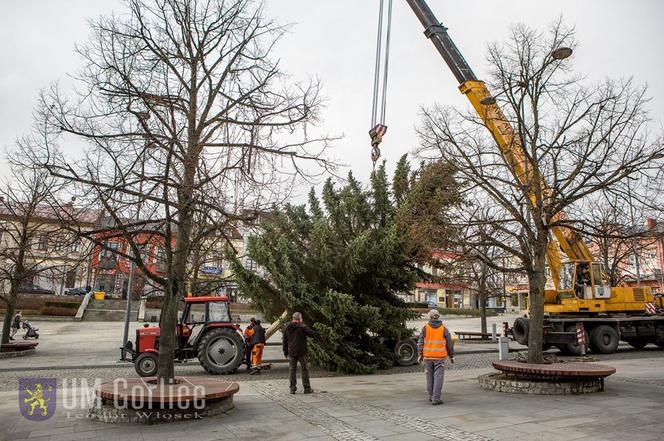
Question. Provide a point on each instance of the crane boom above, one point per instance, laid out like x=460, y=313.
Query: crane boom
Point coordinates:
x=509, y=143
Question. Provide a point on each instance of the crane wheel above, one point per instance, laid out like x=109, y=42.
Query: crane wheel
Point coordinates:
x=220, y=351
x=406, y=352
x=604, y=339
x=520, y=330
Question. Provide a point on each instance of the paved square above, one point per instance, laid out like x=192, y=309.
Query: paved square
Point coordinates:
x=386, y=407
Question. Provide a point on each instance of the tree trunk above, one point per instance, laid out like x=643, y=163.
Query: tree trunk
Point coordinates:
x=482, y=294
x=9, y=313
x=482, y=298
x=176, y=291
x=537, y=281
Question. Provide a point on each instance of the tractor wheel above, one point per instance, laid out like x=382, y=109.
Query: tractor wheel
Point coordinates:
x=637, y=343
x=604, y=339
x=220, y=351
x=406, y=351
x=520, y=330
x=575, y=348
x=146, y=364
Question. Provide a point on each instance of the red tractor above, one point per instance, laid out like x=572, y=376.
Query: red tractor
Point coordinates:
x=205, y=331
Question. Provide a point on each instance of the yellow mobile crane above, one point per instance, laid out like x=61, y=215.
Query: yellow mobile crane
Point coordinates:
x=608, y=314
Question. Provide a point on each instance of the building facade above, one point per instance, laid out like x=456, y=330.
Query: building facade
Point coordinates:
x=59, y=258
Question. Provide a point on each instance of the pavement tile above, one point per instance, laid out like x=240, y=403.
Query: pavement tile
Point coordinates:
x=49, y=431
x=532, y=428
x=501, y=433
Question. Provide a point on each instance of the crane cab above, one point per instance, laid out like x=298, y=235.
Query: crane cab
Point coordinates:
x=583, y=288
x=583, y=280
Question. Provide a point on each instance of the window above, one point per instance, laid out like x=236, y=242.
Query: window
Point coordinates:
x=160, y=254
x=567, y=276
x=250, y=264
x=458, y=299
x=70, y=279
x=196, y=313
x=42, y=243
x=145, y=257
x=76, y=246
x=218, y=312
x=109, y=249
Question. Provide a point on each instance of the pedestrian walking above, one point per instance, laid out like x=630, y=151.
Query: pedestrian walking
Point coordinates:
x=435, y=346
x=295, y=349
x=16, y=324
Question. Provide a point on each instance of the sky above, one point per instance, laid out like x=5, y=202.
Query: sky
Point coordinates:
x=334, y=40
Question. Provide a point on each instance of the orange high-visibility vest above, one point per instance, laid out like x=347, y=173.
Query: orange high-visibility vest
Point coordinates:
x=435, y=345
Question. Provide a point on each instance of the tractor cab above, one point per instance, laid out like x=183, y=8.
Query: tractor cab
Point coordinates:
x=204, y=330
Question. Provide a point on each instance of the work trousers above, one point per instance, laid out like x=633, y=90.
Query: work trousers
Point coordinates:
x=292, y=370
x=248, y=349
x=257, y=354
x=434, y=370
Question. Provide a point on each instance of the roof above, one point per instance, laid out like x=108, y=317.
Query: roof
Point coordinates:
x=66, y=212
x=204, y=299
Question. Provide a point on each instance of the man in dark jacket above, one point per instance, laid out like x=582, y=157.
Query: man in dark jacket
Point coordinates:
x=257, y=344
x=295, y=349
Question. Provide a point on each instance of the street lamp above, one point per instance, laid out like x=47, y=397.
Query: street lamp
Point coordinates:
x=561, y=53
x=132, y=268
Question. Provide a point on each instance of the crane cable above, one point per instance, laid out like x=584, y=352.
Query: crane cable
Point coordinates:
x=379, y=105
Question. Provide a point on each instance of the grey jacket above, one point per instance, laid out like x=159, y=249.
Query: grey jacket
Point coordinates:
x=448, y=338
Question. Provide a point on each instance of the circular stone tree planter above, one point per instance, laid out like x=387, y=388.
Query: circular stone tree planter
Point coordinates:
x=143, y=400
x=18, y=349
x=546, y=379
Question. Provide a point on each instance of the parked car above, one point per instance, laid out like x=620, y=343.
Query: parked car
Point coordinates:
x=432, y=305
x=34, y=289
x=80, y=291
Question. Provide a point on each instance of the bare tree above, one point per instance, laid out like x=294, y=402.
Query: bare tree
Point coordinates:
x=188, y=120
x=567, y=141
x=34, y=241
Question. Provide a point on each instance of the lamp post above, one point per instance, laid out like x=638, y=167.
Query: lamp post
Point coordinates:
x=634, y=246
x=144, y=117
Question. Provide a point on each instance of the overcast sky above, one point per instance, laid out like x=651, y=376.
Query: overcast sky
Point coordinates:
x=335, y=41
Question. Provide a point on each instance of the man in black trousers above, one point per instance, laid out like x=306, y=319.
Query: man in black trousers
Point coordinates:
x=295, y=349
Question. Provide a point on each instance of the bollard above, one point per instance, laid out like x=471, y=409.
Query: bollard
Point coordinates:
x=493, y=332
x=503, y=348
x=581, y=337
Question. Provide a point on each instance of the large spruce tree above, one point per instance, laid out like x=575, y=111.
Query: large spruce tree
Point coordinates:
x=343, y=259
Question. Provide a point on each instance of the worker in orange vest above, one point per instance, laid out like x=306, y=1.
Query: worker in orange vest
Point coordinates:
x=435, y=346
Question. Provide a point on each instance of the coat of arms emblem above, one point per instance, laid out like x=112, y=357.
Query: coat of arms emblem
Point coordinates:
x=37, y=397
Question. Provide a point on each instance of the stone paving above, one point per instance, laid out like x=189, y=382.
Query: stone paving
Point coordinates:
x=389, y=407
